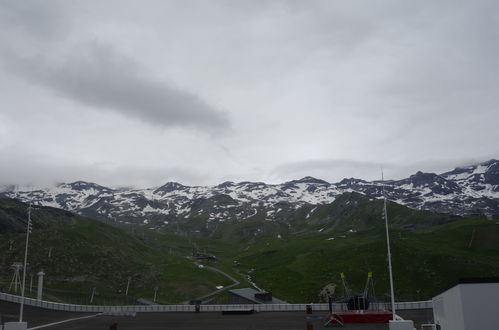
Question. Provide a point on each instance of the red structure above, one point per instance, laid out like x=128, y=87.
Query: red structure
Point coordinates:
x=359, y=316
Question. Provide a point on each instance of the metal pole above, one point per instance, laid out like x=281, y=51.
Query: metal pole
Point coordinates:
x=39, y=291
x=128, y=285
x=388, y=247
x=28, y=229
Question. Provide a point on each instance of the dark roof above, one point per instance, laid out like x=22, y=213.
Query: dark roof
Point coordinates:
x=471, y=280
x=142, y=301
x=249, y=294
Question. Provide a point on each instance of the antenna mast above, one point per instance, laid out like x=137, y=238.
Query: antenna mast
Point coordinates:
x=392, y=293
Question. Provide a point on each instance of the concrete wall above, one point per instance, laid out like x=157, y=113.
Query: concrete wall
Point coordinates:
x=468, y=306
x=400, y=325
x=480, y=305
x=448, y=310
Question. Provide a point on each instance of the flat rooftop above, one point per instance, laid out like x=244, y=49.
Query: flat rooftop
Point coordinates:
x=177, y=321
x=249, y=294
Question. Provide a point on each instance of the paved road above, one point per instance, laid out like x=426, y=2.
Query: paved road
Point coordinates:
x=419, y=316
x=235, y=282
x=9, y=312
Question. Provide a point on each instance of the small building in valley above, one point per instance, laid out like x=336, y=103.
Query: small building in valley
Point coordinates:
x=252, y=296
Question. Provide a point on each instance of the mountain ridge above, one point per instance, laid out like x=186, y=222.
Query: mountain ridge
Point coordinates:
x=462, y=191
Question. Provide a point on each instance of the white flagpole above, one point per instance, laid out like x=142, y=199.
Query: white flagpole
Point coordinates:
x=28, y=229
x=392, y=293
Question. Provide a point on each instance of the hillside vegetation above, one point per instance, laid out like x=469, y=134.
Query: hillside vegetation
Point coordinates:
x=425, y=261
x=86, y=253
x=294, y=256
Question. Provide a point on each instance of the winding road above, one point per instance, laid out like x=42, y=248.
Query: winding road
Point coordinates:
x=235, y=282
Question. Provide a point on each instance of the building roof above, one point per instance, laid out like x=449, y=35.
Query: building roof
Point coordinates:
x=249, y=294
x=470, y=280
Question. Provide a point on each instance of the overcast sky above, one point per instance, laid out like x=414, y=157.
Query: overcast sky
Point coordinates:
x=137, y=93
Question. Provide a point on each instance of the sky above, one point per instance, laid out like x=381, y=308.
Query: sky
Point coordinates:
x=138, y=93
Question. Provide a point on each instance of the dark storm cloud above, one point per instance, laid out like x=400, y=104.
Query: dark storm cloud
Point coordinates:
x=95, y=74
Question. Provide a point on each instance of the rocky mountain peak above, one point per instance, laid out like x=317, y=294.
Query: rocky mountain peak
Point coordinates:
x=491, y=176
x=351, y=181
x=170, y=187
x=491, y=162
x=83, y=185
x=464, y=190
x=486, y=173
x=311, y=180
x=226, y=184
x=421, y=178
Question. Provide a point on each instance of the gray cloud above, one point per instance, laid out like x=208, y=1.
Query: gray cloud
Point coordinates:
x=334, y=170
x=98, y=77
x=94, y=74
x=35, y=19
x=331, y=170
x=31, y=168
x=323, y=88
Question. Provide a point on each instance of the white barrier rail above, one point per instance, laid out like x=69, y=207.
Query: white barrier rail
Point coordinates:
x=203, y=308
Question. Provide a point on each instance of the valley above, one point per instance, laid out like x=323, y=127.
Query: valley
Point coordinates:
x=293, y=257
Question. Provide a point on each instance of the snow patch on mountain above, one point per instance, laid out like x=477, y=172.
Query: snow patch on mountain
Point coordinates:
x=465, y=190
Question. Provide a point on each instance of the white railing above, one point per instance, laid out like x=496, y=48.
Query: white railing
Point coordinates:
x=203, y=308
x=414, y=305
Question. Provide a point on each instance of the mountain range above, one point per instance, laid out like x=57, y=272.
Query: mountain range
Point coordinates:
x=463, y=191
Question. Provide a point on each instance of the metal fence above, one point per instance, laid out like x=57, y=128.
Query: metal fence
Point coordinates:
x=202, y=308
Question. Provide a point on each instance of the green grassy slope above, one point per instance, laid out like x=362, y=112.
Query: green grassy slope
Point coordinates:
x=425, y=260
x=359, y=212
x=426, y=253
x=87, y=254
x=13, y=216
x=349, y=211
x=430, y=251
